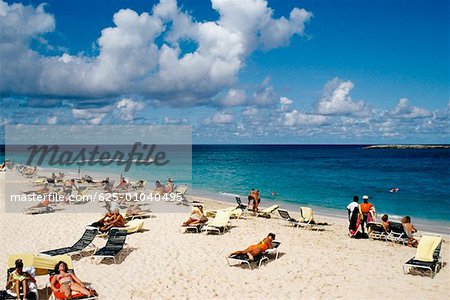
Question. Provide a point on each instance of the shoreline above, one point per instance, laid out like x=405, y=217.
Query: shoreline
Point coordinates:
x=423, y=225
x=311, y=264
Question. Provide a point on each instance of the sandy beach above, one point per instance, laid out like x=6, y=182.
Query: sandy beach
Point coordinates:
x=162, y=263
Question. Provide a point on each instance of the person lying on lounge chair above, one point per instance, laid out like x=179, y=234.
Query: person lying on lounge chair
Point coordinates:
x=257, y=249
x=68, y=282
x=18, y=279
x=43, y=203
x=136, y=210
x=114, y=219
x=40, y=191
x=197, y=216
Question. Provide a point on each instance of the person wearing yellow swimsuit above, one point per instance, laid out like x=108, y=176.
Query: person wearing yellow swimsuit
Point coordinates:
x=257, y=249
x=68, y=282
x=18, y=278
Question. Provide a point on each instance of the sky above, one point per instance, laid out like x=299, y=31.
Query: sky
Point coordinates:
x=245, y=72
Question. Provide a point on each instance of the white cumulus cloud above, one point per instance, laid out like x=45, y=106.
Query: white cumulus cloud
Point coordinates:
x=336, y=99
x=127, y=108
x=141, y=53
x=404, y=110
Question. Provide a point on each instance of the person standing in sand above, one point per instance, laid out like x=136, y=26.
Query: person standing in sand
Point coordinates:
x=364, y=210
x=352, y=210
x=251, y=197
x=256, y=201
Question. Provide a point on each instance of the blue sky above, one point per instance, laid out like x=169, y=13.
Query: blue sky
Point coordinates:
x=253, y=71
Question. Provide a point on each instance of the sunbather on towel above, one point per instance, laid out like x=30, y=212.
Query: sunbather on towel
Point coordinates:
x=409, y=229
x=68, y=282
x=255, y=250
x=197, y=216
x=19, y=278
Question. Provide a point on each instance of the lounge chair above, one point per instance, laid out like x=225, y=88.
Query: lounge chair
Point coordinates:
x=192, y=228
x=308, y=219
x=220, y=223
x=240, y=204
x=427, y=255
x=274, y=250
x=377, y=231
x=132, y=226
x=36, y=265
x=265, y=213
x=397, y=233
x=284, y=214
x=114, y=246
x=235, y=212
x=239, y=259
x=33, y=292
x=59, y=295
x=38, y=210
x=143, y=214
x=83, y=244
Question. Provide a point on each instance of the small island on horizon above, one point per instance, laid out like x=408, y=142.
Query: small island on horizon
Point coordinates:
x=401, y=146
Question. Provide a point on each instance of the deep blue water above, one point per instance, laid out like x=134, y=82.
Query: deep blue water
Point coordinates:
x=329, y=176
x=324, y=176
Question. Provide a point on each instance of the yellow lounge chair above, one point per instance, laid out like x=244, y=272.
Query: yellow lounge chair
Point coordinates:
x=131, y=226
x=427, y=255
x=220, y=223
x=265, y=213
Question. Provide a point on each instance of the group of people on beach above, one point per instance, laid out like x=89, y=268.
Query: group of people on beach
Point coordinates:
x=63, y=281
x=361, y=214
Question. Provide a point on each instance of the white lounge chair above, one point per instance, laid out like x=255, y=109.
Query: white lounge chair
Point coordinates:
x=220, y=223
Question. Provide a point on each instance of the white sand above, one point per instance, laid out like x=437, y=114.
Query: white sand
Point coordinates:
x=165, y=264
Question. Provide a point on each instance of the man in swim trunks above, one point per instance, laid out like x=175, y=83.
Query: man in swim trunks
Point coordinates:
x=18, y=279
x=251, y=197
x=257, y=249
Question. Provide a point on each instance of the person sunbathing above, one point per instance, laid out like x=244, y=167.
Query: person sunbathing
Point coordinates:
x=257, y=249
x=18, y=279
x=159, y=187
x=68, y=282
x=40, y=191
x=135, y=210
x=197, y=216
x=410, y=230
x=385, y=222
x=111, y=220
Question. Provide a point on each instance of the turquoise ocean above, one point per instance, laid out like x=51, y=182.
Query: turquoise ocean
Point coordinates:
x=323, y=176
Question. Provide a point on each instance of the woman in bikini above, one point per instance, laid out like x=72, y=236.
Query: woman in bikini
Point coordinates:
x=197, y=216
x=255, y=250
x=68, y=282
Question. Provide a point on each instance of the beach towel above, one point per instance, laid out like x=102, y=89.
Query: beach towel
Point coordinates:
x=426, y=247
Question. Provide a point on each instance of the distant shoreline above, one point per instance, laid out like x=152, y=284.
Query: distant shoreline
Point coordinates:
x=407, y=147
